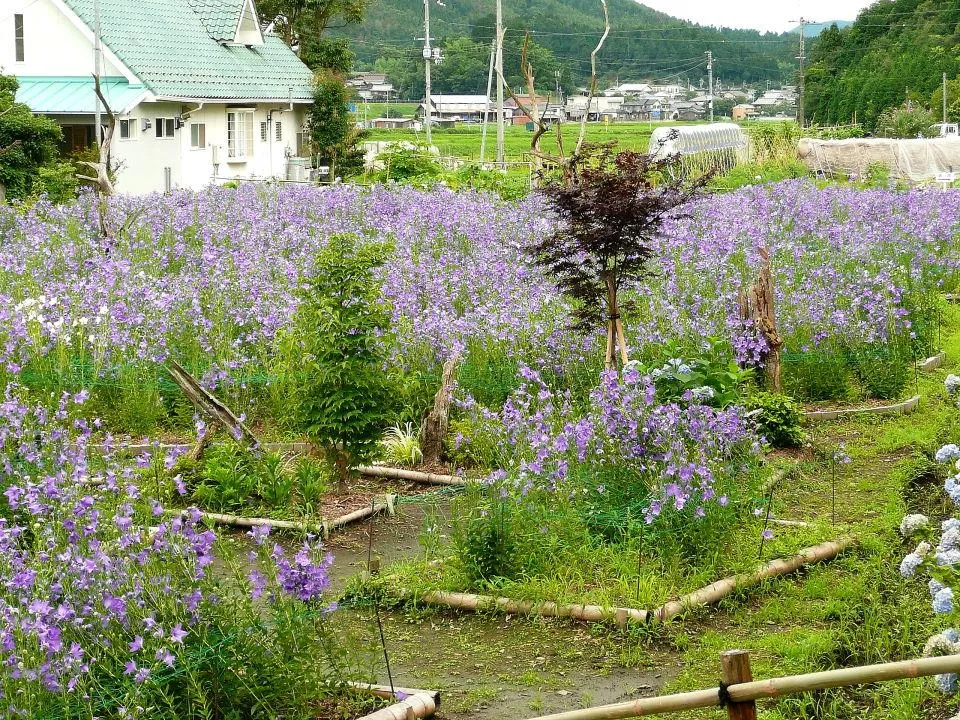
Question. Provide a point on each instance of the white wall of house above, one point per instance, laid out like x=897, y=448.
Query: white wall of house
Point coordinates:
x=53, y=44
x=144, y=157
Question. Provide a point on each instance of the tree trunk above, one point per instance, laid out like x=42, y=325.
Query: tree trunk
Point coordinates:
x=436, y=422
x=615, y=338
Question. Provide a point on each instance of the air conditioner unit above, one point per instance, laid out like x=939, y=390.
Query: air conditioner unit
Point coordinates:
x=145, y=124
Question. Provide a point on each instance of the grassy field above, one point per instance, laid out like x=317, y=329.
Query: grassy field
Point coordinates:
x=464, y=141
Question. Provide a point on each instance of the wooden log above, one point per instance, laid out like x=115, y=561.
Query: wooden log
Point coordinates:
x=434, y=428
x=209, y=405
x=736, y=669
x=401, y=474
x=720, y=589
x=772, y=688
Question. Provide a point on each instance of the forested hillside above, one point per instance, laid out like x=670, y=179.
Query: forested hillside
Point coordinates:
x=643, y=44
x=895, y=52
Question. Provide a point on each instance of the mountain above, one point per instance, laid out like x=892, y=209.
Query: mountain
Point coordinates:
x=644, y=44
x=896, y=51
x=812, y=30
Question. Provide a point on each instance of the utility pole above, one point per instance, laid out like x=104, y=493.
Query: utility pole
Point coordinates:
x=801, y=57
x=486, y=107
x=499, y=61
x=97, y=53
x=710, y=76
x=427, y=59
x=944, y=102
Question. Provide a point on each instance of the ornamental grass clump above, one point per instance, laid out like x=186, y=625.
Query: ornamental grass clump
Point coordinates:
x=110, y=607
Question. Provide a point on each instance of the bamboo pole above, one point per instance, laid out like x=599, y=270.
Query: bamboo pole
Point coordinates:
x=589, y=613
x=325, y=528
x=599, y=613
x=369, y=511
x=418, y=705
x=400, y=474
x=771, y=688
x=720, y=589
x=388, y=693
x=251, y=522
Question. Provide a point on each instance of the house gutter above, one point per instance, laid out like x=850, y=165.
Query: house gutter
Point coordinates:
x=234, y=101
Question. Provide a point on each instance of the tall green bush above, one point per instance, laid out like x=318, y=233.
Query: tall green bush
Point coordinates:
x=344, y=391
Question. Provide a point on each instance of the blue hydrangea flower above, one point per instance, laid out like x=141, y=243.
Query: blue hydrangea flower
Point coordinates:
x=947, y=453
x=909, y=565
x=943, y=601
x=947, y=683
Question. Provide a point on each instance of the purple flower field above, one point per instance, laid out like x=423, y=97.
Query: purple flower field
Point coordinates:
x=211, y=277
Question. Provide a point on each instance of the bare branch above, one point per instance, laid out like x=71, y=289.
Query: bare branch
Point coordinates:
x=575, y=156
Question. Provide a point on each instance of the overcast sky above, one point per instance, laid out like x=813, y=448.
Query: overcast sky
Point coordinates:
x=773, y=15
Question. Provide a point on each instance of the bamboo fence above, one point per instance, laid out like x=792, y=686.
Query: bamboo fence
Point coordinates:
x=749, y=692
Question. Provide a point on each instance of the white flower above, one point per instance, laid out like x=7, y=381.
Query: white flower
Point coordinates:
x=952, y=383
x=949, y=539
x=911, y=524
x=948, y=557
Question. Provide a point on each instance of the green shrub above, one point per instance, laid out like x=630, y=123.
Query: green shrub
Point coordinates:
x=58, y=181
x=227, y=479
x=485, y=539
x=679, y=376
x=883, y=372
x=275, y=481
x=344, y=393
x=777, y=418
x=816, y=375
x=310, y=478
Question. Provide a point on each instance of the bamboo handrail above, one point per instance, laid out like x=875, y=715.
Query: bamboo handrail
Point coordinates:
x=401, y=474
x=770, y=688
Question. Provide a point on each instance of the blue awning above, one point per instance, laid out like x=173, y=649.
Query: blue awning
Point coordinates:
x=75, y=95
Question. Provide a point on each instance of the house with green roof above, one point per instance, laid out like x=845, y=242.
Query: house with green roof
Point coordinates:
x=200, y=91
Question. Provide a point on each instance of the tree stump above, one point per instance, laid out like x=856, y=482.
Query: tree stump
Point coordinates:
x=757, y=307
x=435, y=424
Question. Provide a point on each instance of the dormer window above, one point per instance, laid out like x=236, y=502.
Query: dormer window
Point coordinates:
x=248, y=29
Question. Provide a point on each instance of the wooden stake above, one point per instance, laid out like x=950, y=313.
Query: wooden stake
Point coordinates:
x=736, y=669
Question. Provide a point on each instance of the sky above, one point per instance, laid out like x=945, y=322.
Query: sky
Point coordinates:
x=771, y=15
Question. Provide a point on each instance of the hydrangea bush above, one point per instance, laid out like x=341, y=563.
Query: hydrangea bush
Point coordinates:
x=938, y=557
x=107, y=602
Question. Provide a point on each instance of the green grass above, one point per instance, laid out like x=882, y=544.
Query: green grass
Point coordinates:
x=464, y=141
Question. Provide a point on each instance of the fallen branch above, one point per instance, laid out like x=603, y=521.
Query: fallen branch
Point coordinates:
x=414, y=475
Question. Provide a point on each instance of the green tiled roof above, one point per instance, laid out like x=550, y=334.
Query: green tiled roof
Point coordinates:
x=75, y=95
x=219, y=17
x=169, y=45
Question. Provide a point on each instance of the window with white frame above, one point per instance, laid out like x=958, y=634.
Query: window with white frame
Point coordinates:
x=126, y=128
x=165, y=127
x=18, y=36
x=279, y=132
x=239, y=134
x=198, y=135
